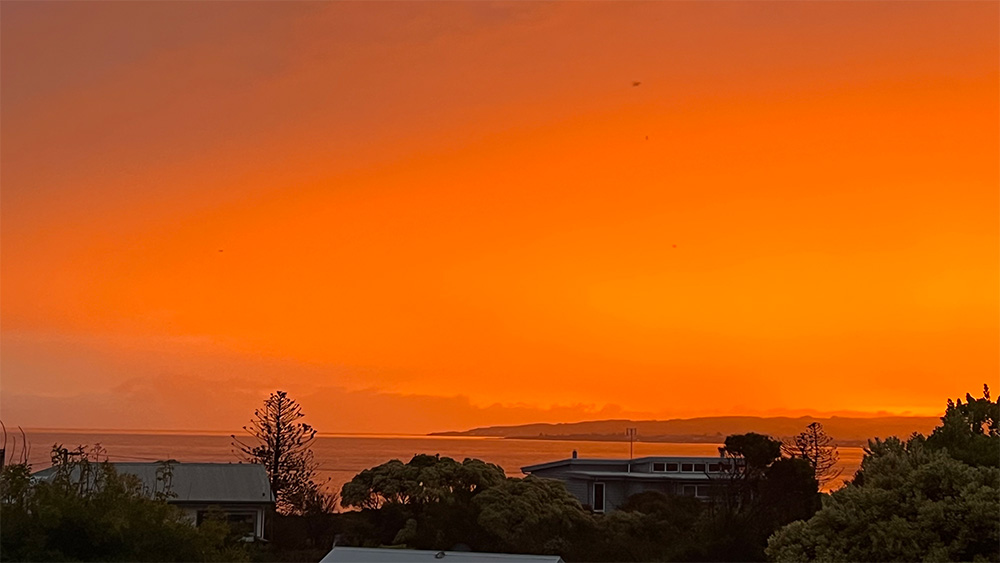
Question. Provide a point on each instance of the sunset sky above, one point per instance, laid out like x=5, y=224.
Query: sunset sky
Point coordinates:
x=420, y=216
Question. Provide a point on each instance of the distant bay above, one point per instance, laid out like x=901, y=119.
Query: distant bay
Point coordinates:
x=845, y=430
x=341, y=457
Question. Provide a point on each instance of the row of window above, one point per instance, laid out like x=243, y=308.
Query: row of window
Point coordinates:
x=695, y=490
x=687, y=490
x=665, y=467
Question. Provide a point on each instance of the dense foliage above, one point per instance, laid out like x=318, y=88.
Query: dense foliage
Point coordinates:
x=89, y=512
x=969, y=431
x=423, y=480
x=920, y=499
x=934, y=499
x=434, y=502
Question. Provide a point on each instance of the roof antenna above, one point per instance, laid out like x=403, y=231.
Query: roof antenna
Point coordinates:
x=25, y=446
x=3, y=450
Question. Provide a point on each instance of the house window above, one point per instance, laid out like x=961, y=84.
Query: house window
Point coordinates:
x=598, y=497
x=699, y=467
x=702, y=491
x=690, y=490
x=671, y=467
x=713, y=467
x=659, y=467
x=243, y=524
x=687, y=467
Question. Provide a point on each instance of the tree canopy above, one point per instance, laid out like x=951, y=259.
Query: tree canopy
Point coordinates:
x=933, y=499
x=435, y=502
x=969, y=431
x=914, y=505
x=531, y=515
x=756, y=451
x=424, y=479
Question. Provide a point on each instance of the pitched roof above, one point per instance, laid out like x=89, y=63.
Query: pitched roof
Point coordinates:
x=201, y=482
x=383, y=555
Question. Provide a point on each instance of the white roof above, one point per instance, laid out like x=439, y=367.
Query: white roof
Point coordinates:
x=383, y=555
x=201, y=482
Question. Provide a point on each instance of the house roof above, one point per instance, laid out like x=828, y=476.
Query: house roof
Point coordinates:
x=590, y=461
x=383, y=555
x=200, y=482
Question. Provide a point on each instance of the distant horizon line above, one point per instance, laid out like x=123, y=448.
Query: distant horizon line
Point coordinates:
x=432, y=434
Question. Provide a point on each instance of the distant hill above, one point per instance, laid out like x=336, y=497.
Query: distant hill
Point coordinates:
x=846, y=431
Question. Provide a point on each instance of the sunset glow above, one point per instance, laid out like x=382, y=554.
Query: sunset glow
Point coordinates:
x=433, y=216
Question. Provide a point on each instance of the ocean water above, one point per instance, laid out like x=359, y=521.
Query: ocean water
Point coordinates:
x=341, y=457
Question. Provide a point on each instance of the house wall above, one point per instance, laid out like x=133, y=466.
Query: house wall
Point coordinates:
x=616, y=492
x=578, y=489
x=191, y=513
x=617, y=489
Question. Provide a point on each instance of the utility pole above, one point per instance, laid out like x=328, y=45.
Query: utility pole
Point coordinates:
x=630, y=432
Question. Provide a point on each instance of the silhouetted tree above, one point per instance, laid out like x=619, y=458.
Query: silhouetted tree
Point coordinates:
x=283, y=448
x=930, y=499
x=816, y=447
x=425, y=479
x=759, y=494
x=532, y=515
x=749, y=456
x=908, y=503
x=790, y=491
x=425, y=503
x=649, y=526
x=969, y=431
x=755, y=452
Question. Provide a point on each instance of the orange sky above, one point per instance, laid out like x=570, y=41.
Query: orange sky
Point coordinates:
x=434, y=216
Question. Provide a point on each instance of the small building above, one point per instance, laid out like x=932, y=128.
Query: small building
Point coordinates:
x=605, y=484
x=389, y=555
x=240, y=490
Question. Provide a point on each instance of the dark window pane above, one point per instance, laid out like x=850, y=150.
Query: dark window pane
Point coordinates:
x=699, y=467
x=686, y=467
x=713, y=467
x=671, y=467
x=598, y=497
x=659, y=467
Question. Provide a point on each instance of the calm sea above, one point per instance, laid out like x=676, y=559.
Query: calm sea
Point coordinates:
x=341, y=457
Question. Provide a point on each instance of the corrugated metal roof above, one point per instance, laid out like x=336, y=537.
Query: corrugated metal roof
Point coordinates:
x=382, y=555
x=201, y=482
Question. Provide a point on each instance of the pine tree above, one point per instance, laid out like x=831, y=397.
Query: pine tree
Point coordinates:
x=816, y=447
x=283, y=448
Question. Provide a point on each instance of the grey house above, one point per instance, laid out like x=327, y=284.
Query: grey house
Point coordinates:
x=240, y=490
x=605, y=484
